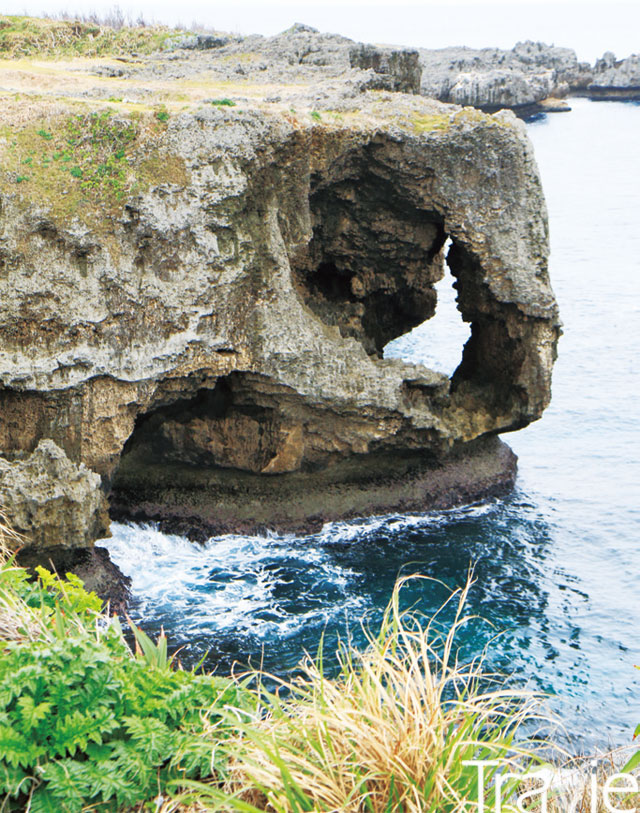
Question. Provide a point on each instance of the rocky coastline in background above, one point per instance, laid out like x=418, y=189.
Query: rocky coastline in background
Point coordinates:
x=530, y=78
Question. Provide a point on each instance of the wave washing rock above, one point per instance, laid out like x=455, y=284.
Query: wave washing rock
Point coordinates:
x=205, y=330
x=616, y=80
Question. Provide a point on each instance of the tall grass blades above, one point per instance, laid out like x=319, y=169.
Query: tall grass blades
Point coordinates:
x=391, y=733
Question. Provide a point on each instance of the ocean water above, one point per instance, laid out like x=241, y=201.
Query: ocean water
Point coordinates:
x=556, y=563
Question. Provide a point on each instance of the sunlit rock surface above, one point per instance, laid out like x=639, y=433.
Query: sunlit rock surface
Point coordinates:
x=616, y=79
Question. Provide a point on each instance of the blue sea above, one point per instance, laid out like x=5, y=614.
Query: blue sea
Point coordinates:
x=556, y=563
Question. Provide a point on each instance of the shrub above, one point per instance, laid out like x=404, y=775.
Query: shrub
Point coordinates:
x=83, y=721
x=223, y=102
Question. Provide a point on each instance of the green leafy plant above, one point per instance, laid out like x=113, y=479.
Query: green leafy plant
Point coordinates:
x=162, y=115
x=315, y=115
x=45, y=134
x=84, y=722
x=634, y=761
x=223, y=102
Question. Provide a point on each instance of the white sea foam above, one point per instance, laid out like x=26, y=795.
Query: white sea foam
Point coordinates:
x=257, y=586
x=231, y=583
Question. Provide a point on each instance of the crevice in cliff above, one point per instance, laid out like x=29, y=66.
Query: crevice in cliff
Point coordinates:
x=374, y=254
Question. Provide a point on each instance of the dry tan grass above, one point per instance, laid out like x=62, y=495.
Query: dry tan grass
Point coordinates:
x=18, y=622
x=391, y=733
x=576, y=780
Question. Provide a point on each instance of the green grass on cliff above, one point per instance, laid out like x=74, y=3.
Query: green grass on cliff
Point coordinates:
x=85, y=163
x=427, y=123
x=442, y=122
x=32, y=36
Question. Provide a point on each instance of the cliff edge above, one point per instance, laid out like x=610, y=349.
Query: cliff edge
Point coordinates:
x=198, y=279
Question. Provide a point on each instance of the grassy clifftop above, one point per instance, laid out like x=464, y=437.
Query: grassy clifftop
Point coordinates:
x=31, y=36
x=79, y=162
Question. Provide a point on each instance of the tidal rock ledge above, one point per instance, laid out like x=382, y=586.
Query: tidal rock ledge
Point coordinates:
x=213, y=348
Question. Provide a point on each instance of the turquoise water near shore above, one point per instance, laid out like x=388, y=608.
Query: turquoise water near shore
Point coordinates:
x=556, y=563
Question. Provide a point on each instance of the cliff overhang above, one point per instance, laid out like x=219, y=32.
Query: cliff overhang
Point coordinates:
x=203, y=325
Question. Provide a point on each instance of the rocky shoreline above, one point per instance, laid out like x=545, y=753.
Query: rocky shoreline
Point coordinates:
x=200, y=503
x=200, y=275
x=530, y=78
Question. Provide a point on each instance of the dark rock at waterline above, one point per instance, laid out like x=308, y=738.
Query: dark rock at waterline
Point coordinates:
x=92, y=565
x=200, y=503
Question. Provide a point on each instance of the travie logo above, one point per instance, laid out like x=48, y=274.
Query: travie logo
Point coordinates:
x=536, y=787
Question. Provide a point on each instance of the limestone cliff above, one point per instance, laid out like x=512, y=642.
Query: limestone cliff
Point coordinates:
x=195, y=302
x=616, y=80
x=522, y=78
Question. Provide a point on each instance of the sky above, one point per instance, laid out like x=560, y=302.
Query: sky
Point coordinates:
x=589, y=26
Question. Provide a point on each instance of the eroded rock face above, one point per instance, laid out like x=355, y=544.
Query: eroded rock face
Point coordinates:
x=52, y=502
x=492, y=78
x=397, y=69
x=231, y=327
x=616, y=80
x=502, y=88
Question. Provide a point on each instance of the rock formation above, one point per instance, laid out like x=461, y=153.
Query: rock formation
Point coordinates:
x=395, y=69
x=52, y=502
x=496, y=89
x=616, y=80
x=492, y=78
x=202, y=322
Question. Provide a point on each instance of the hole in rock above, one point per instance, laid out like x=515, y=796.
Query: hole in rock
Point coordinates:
x=438, y=342
x=332, y=284
x=375, y=252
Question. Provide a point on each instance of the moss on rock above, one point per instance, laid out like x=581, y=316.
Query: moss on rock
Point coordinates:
x=84, y=163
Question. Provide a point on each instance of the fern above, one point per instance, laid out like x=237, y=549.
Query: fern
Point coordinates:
x=86, y=725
